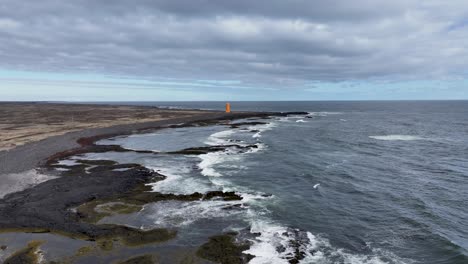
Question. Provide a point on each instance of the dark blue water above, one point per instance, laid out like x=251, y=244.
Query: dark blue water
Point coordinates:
x=368, y=182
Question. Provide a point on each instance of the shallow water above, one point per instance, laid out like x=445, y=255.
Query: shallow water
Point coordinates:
x=358, y=182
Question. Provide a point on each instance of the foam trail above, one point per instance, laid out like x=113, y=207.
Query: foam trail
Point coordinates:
x=262, y=128
x=207, y=163
x=324, y=113
x=277, y=244
x=397, y=137
x=272, y=242
x=212, y=159
x=219, y=138
x=176, y=213
x=178, y=181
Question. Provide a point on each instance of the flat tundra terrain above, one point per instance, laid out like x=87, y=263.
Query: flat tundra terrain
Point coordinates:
x=21, y=123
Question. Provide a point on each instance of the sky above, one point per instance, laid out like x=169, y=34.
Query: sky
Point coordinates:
x=169, y=50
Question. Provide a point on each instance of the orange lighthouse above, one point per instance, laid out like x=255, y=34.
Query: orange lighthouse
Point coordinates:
x=228, y=108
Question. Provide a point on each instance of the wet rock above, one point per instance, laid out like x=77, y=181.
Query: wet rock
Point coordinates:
x=105, y=244
x=96, y=169
x=291, y=113
x=226, y=196
x=97, y=162
x=145, y=259
x=223, y=249
x=47, y=206
x=28, y=255
x=83, y=251
x=133, y=201
x=233, y=207
x=298, y=243
x=135, y=237
x=200, y=150
x=237, y=125
x=209, y=149
x=69, y=170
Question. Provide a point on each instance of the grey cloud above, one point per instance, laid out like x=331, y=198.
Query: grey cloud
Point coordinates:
x=340, y=10
x=266, y=43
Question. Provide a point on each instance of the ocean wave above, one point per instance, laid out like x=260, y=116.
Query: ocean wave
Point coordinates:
x=272, y=242
x=69, y=162
x=277, y=244
x=210, y=160
x=261, y=128
x=257, y=135
x=283, y=119
x=397, y=137
x=220, y=138
x=323, y=113
x=166, y=214
x=178, y=181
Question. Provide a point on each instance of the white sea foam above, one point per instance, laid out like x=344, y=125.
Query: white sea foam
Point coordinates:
x=179, y=180
x=282, y=119
x=264, y=247
x=15, y=182
x=121, y=169
x=257, y=135
x=68, y=162
x=316, y=185
x=61, y=169
x=179, y=213
x=324, y=113
x=278, y=244
x=210, y=161
x=300, y=121
x=264, y=127
x=397, y=137
x=220, y=138
x=261, y=128
x=275, y=244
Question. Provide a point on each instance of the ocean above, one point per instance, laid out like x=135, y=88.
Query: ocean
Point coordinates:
x=353, y=182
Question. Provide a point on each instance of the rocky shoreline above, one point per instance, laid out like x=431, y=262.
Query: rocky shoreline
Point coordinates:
x=72, y=204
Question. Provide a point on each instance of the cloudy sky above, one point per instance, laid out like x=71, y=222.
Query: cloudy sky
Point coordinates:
x=154, y=50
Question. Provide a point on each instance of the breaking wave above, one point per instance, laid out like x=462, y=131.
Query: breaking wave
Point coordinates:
x=397, y=137
x=272, y=242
